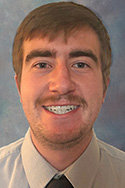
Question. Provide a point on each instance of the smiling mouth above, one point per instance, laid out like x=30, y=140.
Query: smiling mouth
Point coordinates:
x=61, y=109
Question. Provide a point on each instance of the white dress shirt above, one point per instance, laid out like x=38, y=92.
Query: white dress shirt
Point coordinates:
x=100, y=166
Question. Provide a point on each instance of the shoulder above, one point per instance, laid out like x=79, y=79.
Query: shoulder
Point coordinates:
x=11, y=166
x=10, y=151
x=111, y=151
x=114, y=159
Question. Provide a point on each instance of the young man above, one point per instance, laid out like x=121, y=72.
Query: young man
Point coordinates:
x=61, y=58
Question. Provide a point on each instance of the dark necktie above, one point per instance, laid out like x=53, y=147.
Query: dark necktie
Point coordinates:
x=63, y=182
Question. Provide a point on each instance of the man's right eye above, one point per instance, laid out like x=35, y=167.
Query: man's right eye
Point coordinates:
x=42, y=65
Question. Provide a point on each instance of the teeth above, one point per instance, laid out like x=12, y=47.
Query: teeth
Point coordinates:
x=60, y=109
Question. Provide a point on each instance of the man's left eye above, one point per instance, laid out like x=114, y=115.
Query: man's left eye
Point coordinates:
x=81, y=65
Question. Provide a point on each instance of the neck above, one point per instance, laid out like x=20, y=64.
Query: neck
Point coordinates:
x=62, y=158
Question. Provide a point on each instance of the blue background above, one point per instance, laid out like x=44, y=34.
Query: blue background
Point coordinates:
x=110, y=125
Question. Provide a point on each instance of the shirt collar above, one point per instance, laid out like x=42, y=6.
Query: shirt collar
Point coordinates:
x=39, y=172
x=83, y=170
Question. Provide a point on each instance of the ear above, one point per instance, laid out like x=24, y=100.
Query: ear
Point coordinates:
x=105, y=91
x=17, y=85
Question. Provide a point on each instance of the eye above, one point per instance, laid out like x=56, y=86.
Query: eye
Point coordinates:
x=80, y=65
x=42, y=65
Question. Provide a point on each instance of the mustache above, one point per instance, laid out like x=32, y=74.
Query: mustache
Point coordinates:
x=55, y=98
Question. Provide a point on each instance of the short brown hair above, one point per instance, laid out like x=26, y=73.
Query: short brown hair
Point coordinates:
x=48, y=20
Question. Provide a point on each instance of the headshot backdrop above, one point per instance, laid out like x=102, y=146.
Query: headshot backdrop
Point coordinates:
x=110, y=125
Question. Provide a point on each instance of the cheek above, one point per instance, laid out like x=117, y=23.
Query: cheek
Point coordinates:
x=32, y=88
x=91, y=89
x=92, y=86
x=27, y=88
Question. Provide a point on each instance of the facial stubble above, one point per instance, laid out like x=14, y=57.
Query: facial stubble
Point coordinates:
x=60, y=141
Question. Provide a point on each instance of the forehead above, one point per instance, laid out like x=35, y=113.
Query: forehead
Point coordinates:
x=85, y=38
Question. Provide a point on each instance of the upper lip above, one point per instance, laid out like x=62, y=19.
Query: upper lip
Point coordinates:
x=61, y=105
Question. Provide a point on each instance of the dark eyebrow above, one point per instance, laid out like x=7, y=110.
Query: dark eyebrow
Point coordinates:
x=72, y=54
x=86, y=53
x=40, y=53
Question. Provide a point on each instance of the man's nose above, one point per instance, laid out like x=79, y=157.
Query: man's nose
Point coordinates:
x=61, y=80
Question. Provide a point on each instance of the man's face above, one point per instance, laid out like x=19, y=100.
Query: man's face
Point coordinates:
x=62, y=87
